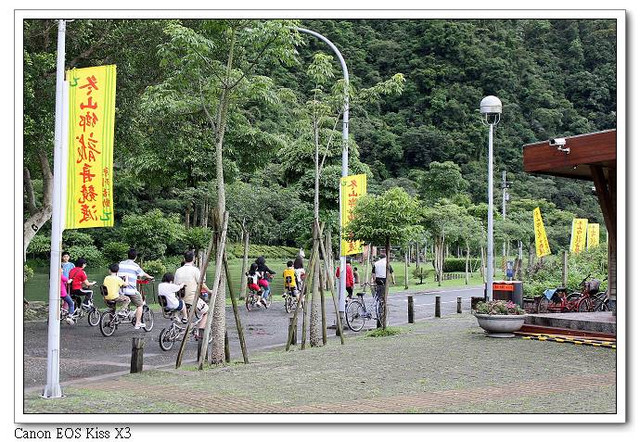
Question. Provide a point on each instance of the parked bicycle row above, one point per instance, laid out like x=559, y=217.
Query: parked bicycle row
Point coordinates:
x=588, y=299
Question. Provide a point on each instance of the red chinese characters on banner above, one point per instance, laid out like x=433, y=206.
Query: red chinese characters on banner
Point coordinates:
x=87, y=149
x=106, y=200
x=353, y=187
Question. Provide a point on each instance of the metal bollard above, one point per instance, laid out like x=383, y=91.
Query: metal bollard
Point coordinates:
x=459, y=307
x=438, y=307
x=137, y=355
x=410, y=309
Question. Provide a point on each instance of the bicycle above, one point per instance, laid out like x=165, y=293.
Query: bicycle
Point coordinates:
x=254, y=297
x=110, y=319
x=168, y=336
x=356, y=313
x=92, y=312
x=588, y=294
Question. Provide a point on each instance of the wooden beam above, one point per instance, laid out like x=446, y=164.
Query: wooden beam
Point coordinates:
x=605, y=198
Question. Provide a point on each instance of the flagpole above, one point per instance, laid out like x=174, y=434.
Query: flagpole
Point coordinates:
x=53, y=389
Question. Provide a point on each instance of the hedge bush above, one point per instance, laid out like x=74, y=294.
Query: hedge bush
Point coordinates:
x=458, y=264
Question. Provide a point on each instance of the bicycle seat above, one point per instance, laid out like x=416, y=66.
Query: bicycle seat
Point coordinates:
x=167, y=313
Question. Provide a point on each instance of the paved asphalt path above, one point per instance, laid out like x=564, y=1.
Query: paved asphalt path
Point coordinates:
x=86, y=354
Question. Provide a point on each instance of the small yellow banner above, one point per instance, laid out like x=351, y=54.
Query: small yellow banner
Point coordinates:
x=542, y=244
x=578, y=235
x=92, y=100
x=351, y=189
x=593, y=235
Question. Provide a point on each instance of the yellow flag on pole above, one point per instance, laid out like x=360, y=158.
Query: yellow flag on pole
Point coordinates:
x=92, y=100
x=578, y=235
x=542, y=244
x=352, y=187
x=593, y=235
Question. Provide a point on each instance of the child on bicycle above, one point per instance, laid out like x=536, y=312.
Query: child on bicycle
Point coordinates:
x=80, y=284
x=253, y=276
x=114, y=283
x=66, y=297
x=289, y=275
x=169, y=290
x=265, y=276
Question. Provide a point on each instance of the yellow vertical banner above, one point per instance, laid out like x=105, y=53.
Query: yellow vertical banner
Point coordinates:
x=593, y=235
x=352, y=187
x=92, y=103
x=578, y=235
x=542, y=244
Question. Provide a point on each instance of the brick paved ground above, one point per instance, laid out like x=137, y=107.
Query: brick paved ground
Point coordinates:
x=438, y=366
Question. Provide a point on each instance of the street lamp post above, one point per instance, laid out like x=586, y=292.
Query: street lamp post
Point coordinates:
x=491, y=109
x=345, y=155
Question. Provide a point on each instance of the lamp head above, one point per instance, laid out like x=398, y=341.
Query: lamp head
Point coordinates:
x=491, y=108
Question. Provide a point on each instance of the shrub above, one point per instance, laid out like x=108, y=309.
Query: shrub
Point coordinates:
x=458, y=264
x=27, y=273
x=89, y=252
x=381, y=333
x=155, y=268
x=115, y=251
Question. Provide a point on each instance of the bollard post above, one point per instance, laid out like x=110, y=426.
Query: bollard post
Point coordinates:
x=137, y=353
x=438, y=307
x=410, y=309
x=294, y=335
x=459, y=307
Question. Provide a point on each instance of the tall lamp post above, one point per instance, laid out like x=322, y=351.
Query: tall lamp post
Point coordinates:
x=491, y=109
x=345, y=155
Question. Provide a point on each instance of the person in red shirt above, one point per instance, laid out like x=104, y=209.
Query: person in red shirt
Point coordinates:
x=349, y=284
x=80, y=284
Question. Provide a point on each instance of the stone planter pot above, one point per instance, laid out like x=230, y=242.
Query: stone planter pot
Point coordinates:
x=500, y=326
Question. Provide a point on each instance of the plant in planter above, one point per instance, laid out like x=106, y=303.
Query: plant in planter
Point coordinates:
x=499, y=318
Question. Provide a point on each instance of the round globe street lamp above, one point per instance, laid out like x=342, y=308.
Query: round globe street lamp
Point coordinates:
x=491, y=109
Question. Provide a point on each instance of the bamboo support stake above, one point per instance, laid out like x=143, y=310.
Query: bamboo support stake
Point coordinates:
x=236, y=314
x=305, y=289
x=203, y=268
x=216, y=286
x=322, y=310
x=333, y=296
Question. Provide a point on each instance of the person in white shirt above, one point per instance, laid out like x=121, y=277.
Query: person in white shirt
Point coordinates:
x=169, y=290
x=189, y=275
x=380, y=273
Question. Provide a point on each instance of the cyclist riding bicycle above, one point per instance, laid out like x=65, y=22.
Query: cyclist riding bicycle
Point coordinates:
x=189, y=275
x=132, y=271
x=253, y=278
x=290, y=283
x=169, y=290
x=266, y=274
x=114, y=286
x=80, y=284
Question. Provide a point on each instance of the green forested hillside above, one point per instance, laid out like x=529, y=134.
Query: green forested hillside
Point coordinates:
x=554, y=77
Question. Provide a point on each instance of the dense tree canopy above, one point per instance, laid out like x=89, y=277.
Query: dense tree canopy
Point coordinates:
x=554, y=77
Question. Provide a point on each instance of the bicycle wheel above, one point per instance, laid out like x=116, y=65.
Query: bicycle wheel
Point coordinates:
x=147, y=318
x=94, y=317
x=543, y=305
x=269, y=300
x=355, y=316
x=248, y=303
x=585, y=305
x=166, y=339
x=380, y=312
x=108, y=323
x=288, y=304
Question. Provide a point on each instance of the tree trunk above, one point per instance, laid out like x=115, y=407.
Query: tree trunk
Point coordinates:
x=483, y=266
x=245, y=262
x=386, y=286
x=38, y=218
x=315, y=339
x=466, y=267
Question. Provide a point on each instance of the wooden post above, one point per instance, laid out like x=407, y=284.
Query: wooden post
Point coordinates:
x=410, y=309
x=137, y=355
x=227, y=350
x=565, y=268
x=236, y=314
x=293, y=326
x=459, y=305
x=438, y=307
x=245, y=261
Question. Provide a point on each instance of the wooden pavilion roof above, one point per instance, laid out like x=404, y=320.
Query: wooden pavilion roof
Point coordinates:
x=583, y=151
